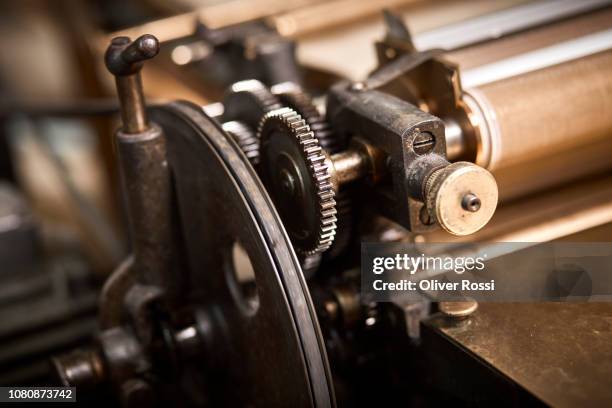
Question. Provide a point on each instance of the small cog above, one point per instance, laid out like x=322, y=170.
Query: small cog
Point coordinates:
x=248, y=101
x=245, y=138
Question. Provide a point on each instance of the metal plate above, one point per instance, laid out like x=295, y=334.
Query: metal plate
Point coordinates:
x=266, y=355
x=556, y=353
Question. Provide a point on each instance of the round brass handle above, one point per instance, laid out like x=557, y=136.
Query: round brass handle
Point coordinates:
x=461, y=197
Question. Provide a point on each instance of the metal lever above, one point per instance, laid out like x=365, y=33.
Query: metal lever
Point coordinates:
x=141, y=147
x=124, y=59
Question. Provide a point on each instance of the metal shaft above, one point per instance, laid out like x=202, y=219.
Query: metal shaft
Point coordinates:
x=349, y=165
x=133, y=113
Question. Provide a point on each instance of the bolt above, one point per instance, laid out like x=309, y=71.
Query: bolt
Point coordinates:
x=458, y=310
x=287, y=182
x=423, y=143
x=83, y=368
x=470, y=202
x=390, y=53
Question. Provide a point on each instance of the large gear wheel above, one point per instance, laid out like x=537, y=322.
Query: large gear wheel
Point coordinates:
x=293, y=169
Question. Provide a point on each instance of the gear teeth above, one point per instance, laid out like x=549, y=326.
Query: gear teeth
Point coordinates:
x=312, y=154
x=247, y=101
x=245, y=138
x=266, y=100
x=292, y=95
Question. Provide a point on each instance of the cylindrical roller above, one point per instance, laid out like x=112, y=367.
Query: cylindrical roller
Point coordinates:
x=542, y=113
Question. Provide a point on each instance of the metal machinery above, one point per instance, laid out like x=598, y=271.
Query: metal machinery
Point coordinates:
x=246, y=214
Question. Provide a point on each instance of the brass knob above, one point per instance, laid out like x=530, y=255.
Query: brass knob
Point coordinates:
x=461, y=197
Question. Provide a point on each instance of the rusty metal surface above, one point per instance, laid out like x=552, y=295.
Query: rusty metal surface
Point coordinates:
x=113, y=294
x=559, y=352
x=147, y=187
x=392, y=126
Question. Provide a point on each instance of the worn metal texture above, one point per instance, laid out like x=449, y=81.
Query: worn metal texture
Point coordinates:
x=130, y=93
x=391, y=125
x=112, y=296
x=294, y=172
x=147, y=188
x=560, y=353
x=267, y=341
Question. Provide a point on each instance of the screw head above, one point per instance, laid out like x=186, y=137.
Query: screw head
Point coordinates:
x=287, y=182
x=458, y=310
x=423, y=143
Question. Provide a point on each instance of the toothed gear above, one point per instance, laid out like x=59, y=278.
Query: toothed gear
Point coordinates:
x=246, y=139
x=248, y=101
x=293, y=168
x=294, y=97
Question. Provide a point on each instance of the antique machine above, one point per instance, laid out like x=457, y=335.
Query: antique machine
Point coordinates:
x=246, y=213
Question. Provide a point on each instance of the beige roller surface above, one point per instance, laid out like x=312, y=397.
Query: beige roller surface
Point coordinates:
x=545, y=112
x=552, y=171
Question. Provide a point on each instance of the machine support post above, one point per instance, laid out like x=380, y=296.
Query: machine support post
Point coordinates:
x=141, y=147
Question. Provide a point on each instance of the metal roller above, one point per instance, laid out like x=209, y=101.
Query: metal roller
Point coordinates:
x=542, y=113
x=537, y=103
